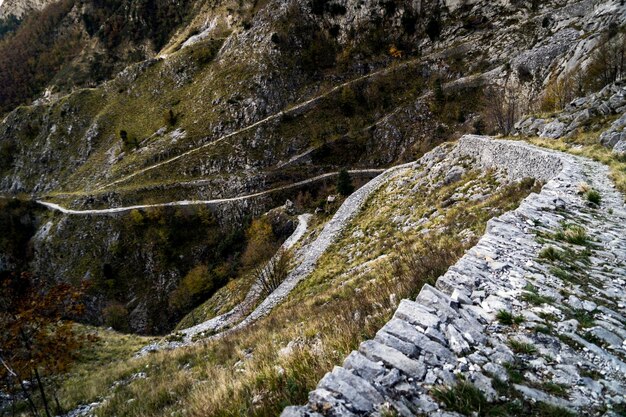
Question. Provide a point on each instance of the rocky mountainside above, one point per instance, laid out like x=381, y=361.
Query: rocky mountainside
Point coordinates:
x=239, y=98
x=19, y=8
x=221, y=172
x=225, y=87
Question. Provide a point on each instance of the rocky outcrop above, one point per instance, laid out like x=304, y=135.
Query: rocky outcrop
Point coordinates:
x=566, y=327
x=19, y=8
x=584, y=112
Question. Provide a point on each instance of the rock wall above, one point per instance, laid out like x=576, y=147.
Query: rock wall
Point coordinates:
x=567, y=328
x=582, y=113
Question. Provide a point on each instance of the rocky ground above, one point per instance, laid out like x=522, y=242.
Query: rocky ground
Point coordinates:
x=18, y=8
x=584, y=112
x=534, y=314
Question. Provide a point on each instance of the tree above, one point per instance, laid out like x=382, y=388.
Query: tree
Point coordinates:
x=562, y=90
x=344, y=183
x=501, y=108
x=37, y=339
x=193, y=287
x=261, y=242
x=608, y=62
x=274, y=272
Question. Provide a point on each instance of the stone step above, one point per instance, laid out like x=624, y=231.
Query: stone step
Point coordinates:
x=393, y=358
x=360, y=396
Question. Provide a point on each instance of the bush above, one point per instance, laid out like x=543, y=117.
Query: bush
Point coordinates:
x=507, y=318
x=170, y=118
x=8, y=148
x=550, y=253
x=8, y=25
x=572, y=234
x=194, y=286
x=128, y=142
x=433, y=29
x=116, y=317
x=561, y=91
x=593, y=197
x=501, y=108
x=344, y=183
x=463, y=398
x=274, y=272
x=521, y=347
x=136, y=217
x=261, y=242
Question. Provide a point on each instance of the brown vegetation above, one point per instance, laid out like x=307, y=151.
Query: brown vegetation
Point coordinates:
x=36, y=340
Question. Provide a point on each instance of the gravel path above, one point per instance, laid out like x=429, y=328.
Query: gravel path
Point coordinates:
x=348, y=210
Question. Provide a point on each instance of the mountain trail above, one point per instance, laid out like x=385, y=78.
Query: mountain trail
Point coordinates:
x=570, y=307
x=59, y=208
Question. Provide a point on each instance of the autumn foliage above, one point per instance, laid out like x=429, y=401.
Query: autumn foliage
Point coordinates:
x=37, y=340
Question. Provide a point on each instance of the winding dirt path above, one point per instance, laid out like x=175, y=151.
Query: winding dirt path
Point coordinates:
x=59, y=208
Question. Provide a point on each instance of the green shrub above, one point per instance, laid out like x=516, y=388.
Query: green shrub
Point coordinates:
x=536, y=299
x=507, y=318
x=593, y=197
x=197, y=283
x=344, y=183
x=572, y=233
x=129, y=142
x=550, y=253
x=521, y=347
x=463, y=398
x=170, y=118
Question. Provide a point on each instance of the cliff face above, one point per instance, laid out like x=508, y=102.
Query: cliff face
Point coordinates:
x=19, y=8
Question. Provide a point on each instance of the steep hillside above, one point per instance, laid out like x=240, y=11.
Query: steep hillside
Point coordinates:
x=180, y=118
x=270, y=184
x=245, y=98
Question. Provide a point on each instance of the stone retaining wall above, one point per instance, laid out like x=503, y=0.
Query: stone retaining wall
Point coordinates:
x=571, y=333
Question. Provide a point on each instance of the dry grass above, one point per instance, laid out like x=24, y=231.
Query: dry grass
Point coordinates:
x=351, y=294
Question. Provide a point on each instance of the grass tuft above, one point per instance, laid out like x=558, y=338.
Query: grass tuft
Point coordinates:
x=463, y=398
x=593, y=197
x=508, y=319
x=550, y=253
x=521, y=347
x=572, y=233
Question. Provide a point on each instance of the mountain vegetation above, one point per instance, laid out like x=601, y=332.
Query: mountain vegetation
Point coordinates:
x=207, y=205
